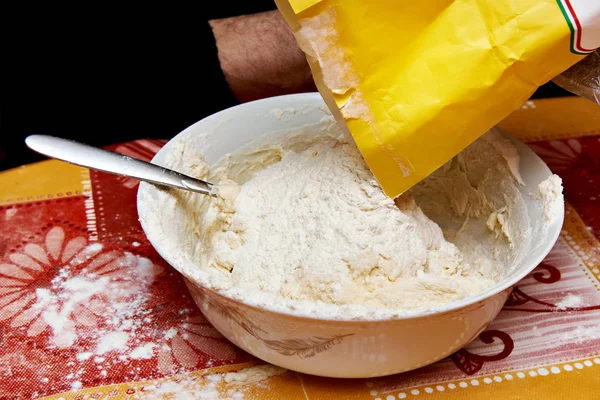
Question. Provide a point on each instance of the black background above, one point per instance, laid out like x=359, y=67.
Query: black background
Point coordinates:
x=103, y=75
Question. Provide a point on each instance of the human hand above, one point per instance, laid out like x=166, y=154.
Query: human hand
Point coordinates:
x=259, y=56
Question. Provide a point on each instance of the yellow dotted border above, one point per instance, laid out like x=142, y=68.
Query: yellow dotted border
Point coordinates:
x=40, y=197
x=547, y=370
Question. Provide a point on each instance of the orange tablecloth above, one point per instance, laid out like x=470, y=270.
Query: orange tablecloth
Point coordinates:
x=88, y=310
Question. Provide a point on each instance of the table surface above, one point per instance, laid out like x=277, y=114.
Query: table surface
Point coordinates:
x=88, y=309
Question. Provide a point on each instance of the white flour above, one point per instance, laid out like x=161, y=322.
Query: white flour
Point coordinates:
x=311, y=231
x=115, y=304
x=143, y=352
x=321, y=206
x=225, y=386
x=112, y=341
x=569, y=301
x=102, y=316
x=581, y=334
x=254, y=374
x=58, y=304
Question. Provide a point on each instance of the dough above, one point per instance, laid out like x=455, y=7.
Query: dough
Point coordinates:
x=307, y=223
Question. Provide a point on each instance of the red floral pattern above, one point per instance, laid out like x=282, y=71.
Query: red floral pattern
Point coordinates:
x=41, y=240
x=51, y=334
x=471, y=363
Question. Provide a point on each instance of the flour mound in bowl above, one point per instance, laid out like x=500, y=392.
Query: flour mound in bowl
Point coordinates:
x=309, y=224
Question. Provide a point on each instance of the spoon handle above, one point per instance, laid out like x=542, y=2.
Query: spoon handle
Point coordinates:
x=114, y=163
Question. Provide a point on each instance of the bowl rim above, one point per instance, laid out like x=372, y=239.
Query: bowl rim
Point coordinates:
x=313, y=98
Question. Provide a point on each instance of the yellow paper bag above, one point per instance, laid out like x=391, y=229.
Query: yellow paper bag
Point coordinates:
x=415, y=82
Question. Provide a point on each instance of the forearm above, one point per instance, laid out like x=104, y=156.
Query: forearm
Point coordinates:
x=259, y=56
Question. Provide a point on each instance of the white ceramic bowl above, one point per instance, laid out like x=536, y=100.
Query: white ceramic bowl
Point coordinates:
x=348, y=349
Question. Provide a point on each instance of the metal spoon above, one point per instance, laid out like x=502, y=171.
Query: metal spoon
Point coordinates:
x=115, y=163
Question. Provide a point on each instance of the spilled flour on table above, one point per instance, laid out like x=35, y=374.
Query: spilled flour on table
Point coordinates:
x=93, y=315
x=143, y=352
x=581, y=334
x=569, y=301
x=114, y=303
x=100, y=311
x=217, y=386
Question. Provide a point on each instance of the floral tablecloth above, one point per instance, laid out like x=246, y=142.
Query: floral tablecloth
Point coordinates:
x=88, y=310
